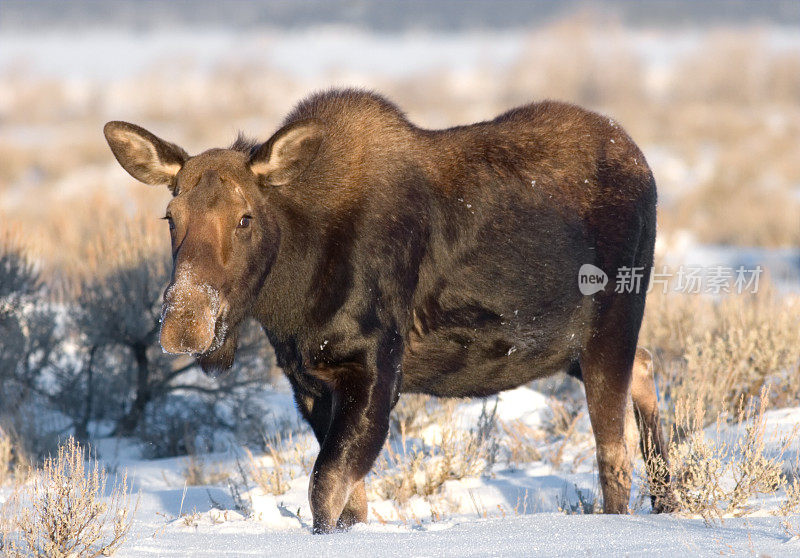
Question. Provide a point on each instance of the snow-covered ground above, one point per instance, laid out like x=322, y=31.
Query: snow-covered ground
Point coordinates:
x=780, y=266
x=546, y=534
x=531, y=509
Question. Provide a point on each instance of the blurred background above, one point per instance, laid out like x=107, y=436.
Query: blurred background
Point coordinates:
x=709, y=89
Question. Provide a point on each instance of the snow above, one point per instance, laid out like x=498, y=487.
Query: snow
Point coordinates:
x=512, y=511
x=316, y=51
x=523, y=404
x=306, y=53
x=781, y=265
x=533, y=535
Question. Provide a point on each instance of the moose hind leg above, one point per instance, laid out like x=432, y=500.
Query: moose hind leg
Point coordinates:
x=606, y=369
x=654, y=450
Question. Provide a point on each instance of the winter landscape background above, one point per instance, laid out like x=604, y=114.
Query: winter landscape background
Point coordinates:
x=709, y=90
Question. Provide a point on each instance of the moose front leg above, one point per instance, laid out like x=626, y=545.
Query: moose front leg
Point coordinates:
x=361, y=400
x=316, y=409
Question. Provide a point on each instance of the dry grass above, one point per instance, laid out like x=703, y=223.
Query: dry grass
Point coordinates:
x=272, y=479
x=791, y=507
x=287, y=460
x=422, y=469
x=63, y=512
x=719, y=475
x=718, y=351
x=521, y=442
x=198, y=472
x=15, y=464
x=6, y=458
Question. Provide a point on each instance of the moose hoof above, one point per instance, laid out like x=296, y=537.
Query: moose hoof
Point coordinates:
x=347, y=520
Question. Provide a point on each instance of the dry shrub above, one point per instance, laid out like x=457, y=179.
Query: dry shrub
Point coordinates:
x=718, y=351
x=561, y=423
x=197, y=472
x=712, y=355
x=288, y=459
x=585, y=502
x=716, y=476
x=521, y=442
x=790, y=506
x=669, y=321
x=513, y=442
x=63, y=513
x=756, y=178
x=272, y=480
x=422, y=470
x=560, y=429
x=415, y=412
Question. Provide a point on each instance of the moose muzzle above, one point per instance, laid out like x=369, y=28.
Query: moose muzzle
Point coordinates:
x=189, y=317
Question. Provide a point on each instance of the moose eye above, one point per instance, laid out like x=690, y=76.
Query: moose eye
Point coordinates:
x=244, y=222
x=170, y=222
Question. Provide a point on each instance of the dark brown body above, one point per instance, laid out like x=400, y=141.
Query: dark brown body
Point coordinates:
x=443, y=262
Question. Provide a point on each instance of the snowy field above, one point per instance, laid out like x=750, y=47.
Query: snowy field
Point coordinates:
x=532, y=510
x=546, y=534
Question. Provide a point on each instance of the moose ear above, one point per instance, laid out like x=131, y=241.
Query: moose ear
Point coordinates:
x=288, y=152
x=147, y=158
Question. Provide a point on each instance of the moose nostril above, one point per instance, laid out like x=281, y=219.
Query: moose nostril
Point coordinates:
x=189, y=314
x=187, y=329
x=186, y=336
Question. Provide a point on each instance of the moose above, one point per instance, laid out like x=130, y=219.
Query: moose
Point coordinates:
x=380, y=258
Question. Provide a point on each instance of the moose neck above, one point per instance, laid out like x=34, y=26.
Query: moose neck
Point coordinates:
x=322, y=224
x=282, y=307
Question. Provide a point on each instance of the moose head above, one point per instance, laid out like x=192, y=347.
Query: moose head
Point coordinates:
x=225, y=233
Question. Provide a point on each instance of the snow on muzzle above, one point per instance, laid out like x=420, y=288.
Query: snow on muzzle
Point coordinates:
x=191, y=321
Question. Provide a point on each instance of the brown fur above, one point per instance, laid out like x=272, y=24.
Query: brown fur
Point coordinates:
x=380, y=257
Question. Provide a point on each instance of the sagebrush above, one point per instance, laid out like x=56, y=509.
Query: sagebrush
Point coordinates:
x=64, y=512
